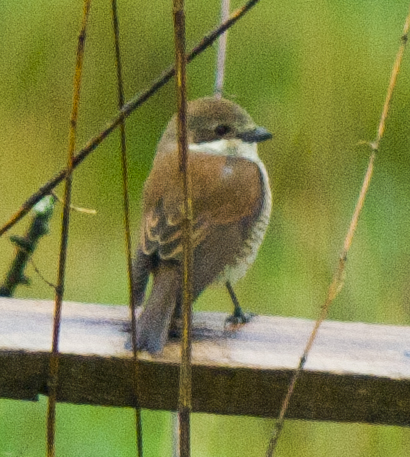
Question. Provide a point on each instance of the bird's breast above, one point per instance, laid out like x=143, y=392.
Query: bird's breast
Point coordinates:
x=249, y=249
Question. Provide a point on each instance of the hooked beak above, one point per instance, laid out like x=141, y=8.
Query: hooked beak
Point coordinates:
x=256, y=135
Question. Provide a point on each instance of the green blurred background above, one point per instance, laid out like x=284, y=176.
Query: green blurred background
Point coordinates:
x=313, y=72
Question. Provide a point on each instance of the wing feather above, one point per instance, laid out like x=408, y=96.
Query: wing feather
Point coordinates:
x=225, y=190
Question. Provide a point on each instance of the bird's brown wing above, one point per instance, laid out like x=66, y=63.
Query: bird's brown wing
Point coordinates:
x=225, y=191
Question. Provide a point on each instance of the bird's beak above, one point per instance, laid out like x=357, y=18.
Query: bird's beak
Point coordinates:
x=256, y=135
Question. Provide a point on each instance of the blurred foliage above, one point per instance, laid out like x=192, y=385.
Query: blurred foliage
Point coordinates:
x=313, y=72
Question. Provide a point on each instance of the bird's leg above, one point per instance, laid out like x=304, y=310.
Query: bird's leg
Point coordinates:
x=238, y=316
x=175, y=329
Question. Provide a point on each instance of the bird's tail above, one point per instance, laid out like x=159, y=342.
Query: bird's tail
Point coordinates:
x=154, y=323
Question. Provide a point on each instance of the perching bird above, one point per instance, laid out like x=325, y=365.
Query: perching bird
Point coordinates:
x=231, y=202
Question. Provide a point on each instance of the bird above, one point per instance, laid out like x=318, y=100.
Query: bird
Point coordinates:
x=231, y=205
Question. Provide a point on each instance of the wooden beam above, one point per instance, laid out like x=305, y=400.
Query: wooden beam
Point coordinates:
x=356, y=372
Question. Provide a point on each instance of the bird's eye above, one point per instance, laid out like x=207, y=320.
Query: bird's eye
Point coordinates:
x=222, y=130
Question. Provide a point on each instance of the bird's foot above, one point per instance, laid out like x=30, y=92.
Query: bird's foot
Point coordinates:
x=238, y=318
x=126, y=327
x=175, y=330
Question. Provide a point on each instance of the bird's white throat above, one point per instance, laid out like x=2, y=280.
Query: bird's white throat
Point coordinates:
x=232, y=147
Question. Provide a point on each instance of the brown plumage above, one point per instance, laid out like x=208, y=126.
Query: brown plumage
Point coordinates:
x=231, y=205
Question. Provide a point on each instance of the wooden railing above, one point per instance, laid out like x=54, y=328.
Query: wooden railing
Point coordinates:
x=356, y=372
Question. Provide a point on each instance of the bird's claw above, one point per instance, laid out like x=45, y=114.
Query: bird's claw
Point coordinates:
x=238, y=318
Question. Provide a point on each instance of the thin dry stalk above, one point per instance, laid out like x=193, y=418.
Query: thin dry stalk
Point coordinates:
x=41, y=276
x=127, y=231
x=77, y=209
x=184, y=402
x=127, y=109
x=337, y=282
x=54, y=356
x=175, y=434
x=221, y=58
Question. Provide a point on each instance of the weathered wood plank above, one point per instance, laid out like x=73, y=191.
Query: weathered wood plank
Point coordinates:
x=356, y=372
